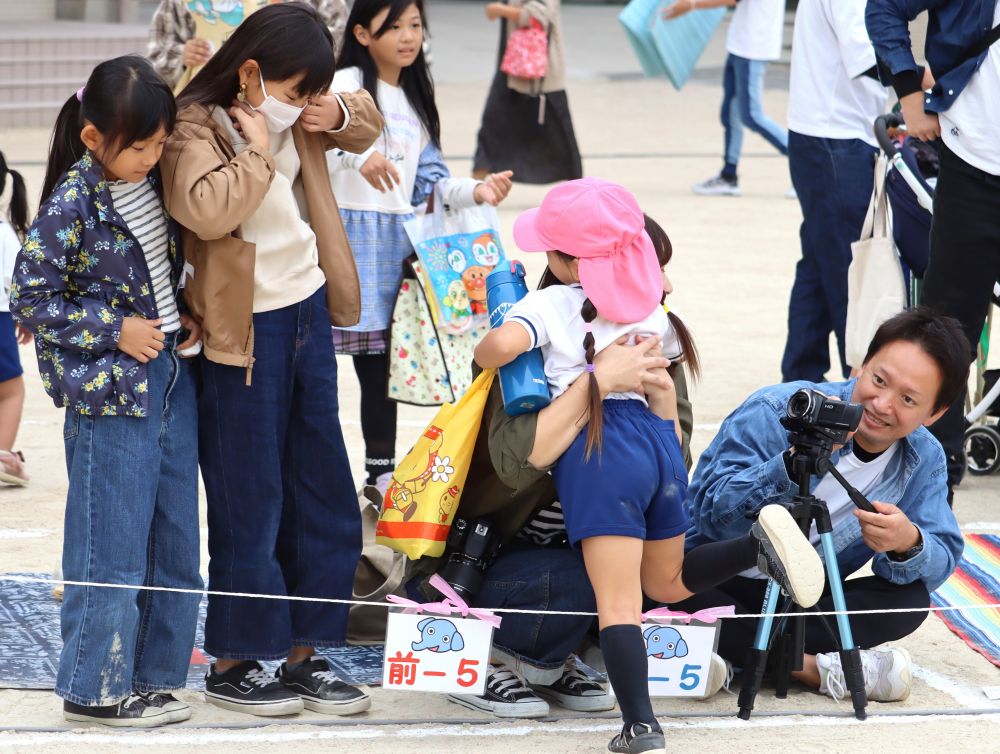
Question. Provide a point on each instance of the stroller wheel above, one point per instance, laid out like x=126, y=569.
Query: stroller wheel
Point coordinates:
x=982, y=450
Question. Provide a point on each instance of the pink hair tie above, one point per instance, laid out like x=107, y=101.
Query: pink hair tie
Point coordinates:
x=587, y=327
x=590, y=368
x=79, y=93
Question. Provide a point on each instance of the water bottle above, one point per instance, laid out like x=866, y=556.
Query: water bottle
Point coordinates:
x=522, y=382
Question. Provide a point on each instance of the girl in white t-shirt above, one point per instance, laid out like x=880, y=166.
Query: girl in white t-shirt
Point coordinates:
x=624, y=503
x=12, y=231
x=754, y=39
x=378, y=190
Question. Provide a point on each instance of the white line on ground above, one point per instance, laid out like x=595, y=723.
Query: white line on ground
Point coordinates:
x=981, y=525
x=208, y=737
x=965, y=695
x=26, y=533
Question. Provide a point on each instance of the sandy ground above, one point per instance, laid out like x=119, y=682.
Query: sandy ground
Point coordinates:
x=732, y=270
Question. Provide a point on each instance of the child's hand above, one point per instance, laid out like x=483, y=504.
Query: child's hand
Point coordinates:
x=23, y=335
x=323, y=113
x=662, y=397
x=494, y=188
x=141, y=338
x=379, y=172
x=250, y=124
x=678, y=9
x=495, y=11
x=193, y=327
x=196, y=52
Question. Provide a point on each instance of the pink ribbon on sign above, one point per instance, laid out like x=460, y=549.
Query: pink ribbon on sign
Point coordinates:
x=708, y=615
x=451, y=603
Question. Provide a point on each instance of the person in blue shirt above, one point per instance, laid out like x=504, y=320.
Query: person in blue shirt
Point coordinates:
x=963, y=109
x=914, y=368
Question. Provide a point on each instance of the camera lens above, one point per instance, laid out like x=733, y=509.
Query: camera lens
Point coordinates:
x=799, y=404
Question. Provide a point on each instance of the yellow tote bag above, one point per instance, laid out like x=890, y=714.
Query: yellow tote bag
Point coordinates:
x=422, y=498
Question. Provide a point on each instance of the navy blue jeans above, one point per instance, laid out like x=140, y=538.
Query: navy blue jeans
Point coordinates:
x=132, y=518
x=833, y=178
x=282, y=512
x=742, y=85
x=528, y=577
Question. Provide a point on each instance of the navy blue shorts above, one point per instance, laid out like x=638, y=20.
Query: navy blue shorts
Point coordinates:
x=635, y=487
x=10, y=359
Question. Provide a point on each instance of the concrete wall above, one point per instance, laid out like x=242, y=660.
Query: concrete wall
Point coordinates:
x=27, y=10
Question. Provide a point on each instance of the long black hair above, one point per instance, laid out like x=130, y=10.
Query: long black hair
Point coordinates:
x=415, y=80
x=286, y=40
x=125, y=99
x=17, y=210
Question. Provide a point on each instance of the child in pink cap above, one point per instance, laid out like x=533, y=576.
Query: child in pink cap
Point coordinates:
x=624, y=503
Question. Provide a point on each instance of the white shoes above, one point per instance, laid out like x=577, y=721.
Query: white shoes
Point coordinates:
x=887, y=672
x=717, y=186
x=787, y=556
x=720, y=675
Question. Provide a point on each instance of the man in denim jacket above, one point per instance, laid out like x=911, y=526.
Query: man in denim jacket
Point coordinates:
x=915, y=366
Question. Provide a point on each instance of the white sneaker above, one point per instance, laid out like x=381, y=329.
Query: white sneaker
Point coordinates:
x=720, y=675
x=507, y=695
x=717, y=186
x=888, y=677
x=787, y=556
x=382, y=483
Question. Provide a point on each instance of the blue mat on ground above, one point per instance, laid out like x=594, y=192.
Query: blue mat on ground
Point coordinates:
x=30, y=643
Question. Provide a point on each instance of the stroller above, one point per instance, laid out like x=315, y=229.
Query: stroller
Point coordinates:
x=910, y=190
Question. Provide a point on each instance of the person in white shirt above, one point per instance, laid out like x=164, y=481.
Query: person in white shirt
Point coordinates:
x=379, y=190
x=754, y=39
x=12, y=229
x=834, y=98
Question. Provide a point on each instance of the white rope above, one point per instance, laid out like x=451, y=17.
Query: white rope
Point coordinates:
x=330, y=600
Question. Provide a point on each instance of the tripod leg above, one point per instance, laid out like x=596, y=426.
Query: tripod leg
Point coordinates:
x=850, y=656
x=753, y=671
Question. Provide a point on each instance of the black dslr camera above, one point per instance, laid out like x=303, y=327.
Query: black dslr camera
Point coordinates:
x=472, y=548
x=817, y=422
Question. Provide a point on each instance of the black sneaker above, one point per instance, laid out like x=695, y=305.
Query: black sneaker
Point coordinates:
x=133, y=712
x=177, y=710
x=506, y=696
x=248, y=688
x=639, y=738
x=321, y=690
x=787, y=556
x=576, y=691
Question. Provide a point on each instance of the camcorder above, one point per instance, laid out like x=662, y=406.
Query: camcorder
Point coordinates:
x=817, y=422
x=472, y=547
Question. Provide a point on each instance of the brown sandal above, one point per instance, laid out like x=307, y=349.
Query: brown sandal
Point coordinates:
x=12, y=468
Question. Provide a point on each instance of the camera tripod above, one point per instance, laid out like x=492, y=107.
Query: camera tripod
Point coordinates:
x=788, y=638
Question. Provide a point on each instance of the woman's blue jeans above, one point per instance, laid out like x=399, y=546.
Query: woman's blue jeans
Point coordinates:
x=132, y=518
x=282, y=511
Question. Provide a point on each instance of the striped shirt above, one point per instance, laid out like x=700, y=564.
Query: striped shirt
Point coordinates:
x=142, y=211
x=548, y=527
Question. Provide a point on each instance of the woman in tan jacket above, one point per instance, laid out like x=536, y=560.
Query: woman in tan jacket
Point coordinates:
x=268, y=270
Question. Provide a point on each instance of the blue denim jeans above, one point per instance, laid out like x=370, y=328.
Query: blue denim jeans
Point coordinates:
x=742, y=85
x=833, y=178
x=132, y=518
x=282, y=511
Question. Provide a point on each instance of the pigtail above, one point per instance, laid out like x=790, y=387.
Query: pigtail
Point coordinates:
x=17, y=210
x=688, y=348
x=595, y=408
x=65, y=148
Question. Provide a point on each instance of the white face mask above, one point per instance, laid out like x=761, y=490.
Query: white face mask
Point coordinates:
x=280, y=116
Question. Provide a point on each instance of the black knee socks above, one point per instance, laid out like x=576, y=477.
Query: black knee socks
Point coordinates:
x=709, y=565
x=625, y=659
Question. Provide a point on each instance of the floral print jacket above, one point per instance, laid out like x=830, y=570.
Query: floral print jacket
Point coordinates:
x=79, y=273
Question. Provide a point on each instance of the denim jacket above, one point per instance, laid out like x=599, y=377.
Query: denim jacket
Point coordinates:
x=952, y=27
x=743, y=470
x=79, y=273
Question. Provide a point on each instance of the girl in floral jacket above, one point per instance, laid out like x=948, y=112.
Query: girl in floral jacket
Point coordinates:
x=96, y=282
